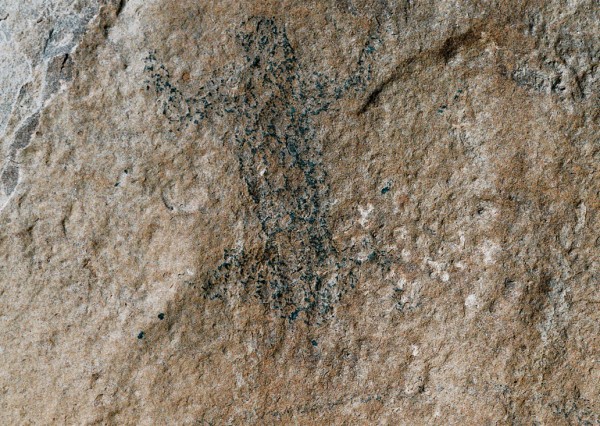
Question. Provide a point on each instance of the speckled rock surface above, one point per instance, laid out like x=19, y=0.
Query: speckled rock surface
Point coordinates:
x=299, y=212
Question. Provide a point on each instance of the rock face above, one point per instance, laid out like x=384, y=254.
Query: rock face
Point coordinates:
x=300, y=212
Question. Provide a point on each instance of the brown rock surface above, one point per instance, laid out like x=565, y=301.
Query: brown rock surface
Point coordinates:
x=300, y=212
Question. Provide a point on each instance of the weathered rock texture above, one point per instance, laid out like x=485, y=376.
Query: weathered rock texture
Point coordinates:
x=299, y=212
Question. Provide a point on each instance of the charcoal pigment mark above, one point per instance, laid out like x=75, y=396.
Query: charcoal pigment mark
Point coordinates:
x=299, y=271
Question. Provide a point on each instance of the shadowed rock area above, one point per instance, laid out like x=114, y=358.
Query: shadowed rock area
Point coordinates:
x=292, y=212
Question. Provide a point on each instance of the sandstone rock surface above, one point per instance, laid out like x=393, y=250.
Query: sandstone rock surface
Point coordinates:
x=299, y=212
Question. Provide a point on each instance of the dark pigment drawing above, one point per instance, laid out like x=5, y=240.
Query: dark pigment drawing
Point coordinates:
x=280, y=159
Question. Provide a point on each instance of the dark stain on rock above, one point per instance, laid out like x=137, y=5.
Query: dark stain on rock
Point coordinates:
x=452, y=44
x=10, y=178
x=24, y=133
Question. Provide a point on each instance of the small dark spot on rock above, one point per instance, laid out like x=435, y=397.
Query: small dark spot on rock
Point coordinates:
x=141, y=335
x=161, y=316
x=385, y=189
x=313, y=342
